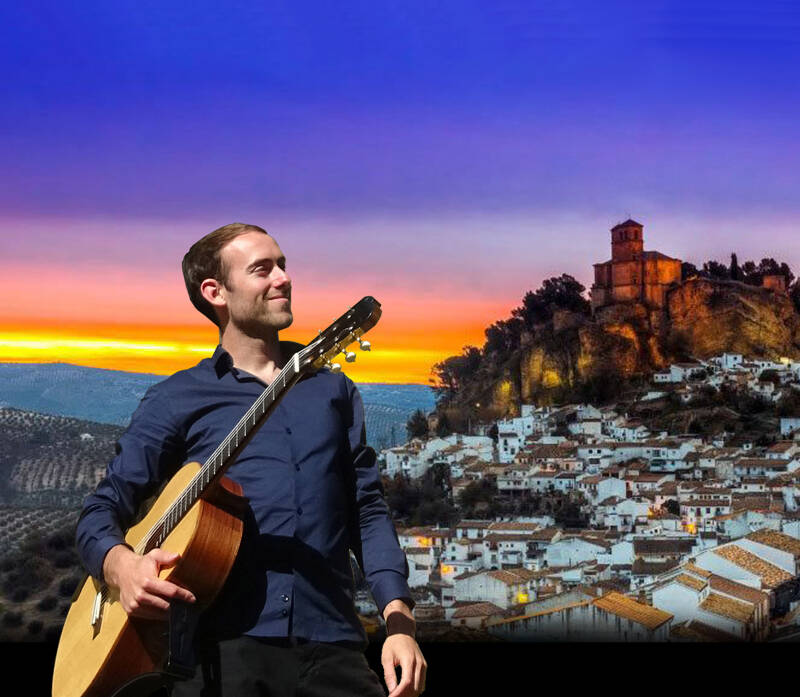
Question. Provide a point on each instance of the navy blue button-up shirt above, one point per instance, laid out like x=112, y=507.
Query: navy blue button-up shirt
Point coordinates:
x=313, y=488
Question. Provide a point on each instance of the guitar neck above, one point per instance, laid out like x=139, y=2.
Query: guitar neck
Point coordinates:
x=348, y=328
x=226, y=453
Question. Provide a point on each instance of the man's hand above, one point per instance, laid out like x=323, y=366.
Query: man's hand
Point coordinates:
x=141, y=592
x=400, y=648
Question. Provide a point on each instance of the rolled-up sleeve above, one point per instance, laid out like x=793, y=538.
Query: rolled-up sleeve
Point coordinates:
x=374, y=542
x=150, y=446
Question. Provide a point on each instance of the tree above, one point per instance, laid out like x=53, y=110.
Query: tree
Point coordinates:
x=736, y=272
x=480, y=496
x=750, y=404
x=432, y=512
x=452, y=372
x=503, y=336
x=688, y=270
x=754, y=275
x=569, y=515
x=787, y=272
x=750, y=273
x=417, y=425
x=435, y=482
x=794, y=294
x=770, y=375
x=767, y=266
x=557, y=293
x=716, y=270
x=789, y=404
x=401, y=496
x=443, y=427
x=565, y=293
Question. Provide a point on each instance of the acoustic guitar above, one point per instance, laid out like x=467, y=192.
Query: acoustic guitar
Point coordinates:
x=198, y=514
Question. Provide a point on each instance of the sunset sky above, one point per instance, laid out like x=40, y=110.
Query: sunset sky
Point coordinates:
x=443, y=157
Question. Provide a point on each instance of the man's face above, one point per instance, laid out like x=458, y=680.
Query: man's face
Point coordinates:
x=257, y=289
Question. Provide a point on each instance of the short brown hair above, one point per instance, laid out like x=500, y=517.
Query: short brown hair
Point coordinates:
x=203, y=261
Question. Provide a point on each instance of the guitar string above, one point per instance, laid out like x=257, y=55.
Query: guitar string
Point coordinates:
x=159, y=528
x=162, y=523
x=175, y=510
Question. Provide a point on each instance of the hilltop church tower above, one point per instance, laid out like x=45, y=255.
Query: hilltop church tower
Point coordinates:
x=627, y=241
x=633, y=275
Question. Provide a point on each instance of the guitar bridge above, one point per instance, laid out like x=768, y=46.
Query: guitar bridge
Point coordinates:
x=97, y=608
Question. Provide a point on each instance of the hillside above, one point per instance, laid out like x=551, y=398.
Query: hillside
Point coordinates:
x=51, y=460
x=574, y=356
x=49, y=464
x=110, y=397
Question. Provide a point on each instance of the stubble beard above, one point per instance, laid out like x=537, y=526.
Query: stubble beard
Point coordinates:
x=261, y=325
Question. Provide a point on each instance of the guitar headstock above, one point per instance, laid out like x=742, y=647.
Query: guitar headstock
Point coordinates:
x=350, y=327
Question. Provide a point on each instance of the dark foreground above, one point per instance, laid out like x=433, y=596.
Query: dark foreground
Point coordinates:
x=472, y=668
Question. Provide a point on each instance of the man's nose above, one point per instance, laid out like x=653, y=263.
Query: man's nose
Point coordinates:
x=281, y=278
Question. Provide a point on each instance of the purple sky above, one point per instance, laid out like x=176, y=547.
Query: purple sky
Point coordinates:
x=461, y=147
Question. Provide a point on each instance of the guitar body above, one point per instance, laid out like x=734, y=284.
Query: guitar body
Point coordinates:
x=120, y=651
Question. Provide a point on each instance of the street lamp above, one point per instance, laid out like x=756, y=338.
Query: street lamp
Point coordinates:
x=469, y=419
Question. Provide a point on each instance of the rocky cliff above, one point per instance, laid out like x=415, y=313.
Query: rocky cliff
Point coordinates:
x=729, y=316
x=702, y=318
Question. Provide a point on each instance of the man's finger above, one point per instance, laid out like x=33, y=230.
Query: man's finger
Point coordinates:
x=148, y=606
x=167, y=589
x=406, y=675
x=163, y=557
x=389, y=673
x=418, y=677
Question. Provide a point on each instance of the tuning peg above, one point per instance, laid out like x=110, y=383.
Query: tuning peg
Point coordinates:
x=334, y=367
x=349, y=356
x=365, y=345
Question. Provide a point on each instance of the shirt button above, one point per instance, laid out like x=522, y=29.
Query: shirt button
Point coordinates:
x=288, y=430
x=285, y=598
x=284, y=612
x=299, y=511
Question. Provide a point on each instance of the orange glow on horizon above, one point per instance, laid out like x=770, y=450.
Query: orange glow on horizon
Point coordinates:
x=143, y=322
x=396, y=357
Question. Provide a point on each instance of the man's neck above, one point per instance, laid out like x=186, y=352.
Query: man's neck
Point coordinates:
x=259, y=356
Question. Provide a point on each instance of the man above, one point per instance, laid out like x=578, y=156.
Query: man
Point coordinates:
x=285, y=622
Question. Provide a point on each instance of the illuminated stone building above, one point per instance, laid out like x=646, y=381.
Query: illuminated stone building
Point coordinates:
x=774, y=281
x=632, y=274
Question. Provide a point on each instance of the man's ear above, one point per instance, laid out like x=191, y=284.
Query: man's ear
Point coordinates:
x=212, y=290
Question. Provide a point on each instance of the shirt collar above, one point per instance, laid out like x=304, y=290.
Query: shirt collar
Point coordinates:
x=222, y=361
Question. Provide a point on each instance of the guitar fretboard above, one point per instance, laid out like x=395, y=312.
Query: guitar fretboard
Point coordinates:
x=224, y=456
x=349, y=327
